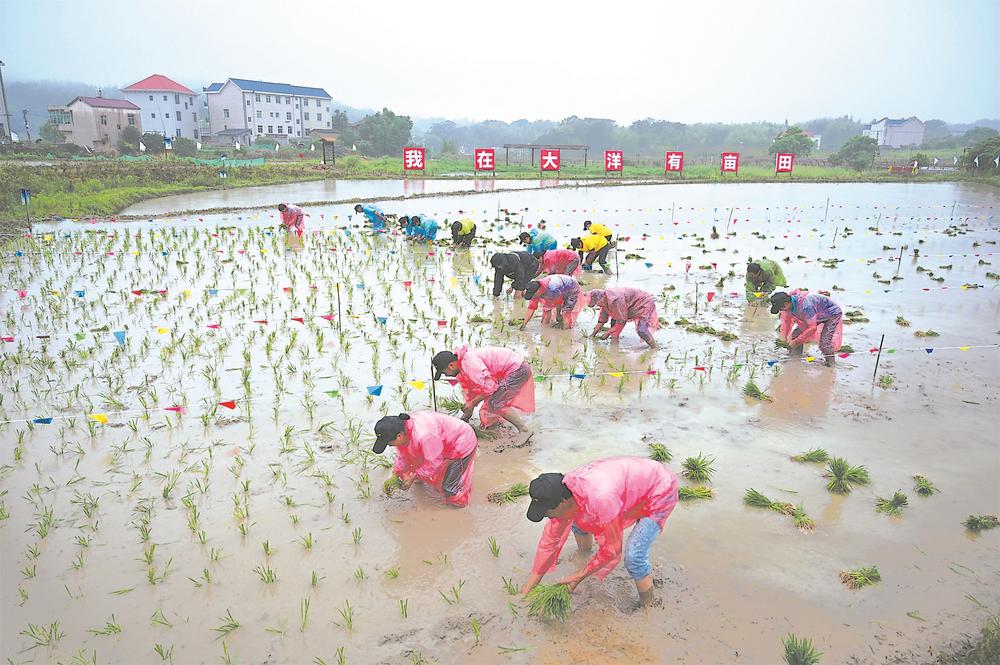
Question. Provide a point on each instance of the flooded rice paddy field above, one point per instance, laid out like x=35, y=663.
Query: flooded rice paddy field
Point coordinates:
x=134, y=533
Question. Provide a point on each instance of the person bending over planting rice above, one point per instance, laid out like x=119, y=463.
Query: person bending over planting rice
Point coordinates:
x=601, y=230
x=560, y=262
x=425, y=228
x=598, y=502
x=537, y=242
x=808, y=318
x=623, y=304
x=555, y=293
x=463, y=232
x=374, y=215
x=519, y=267
x=434, y=448
x=293, y=219
x=494, y=379
x=763, y=277
x=591, y=248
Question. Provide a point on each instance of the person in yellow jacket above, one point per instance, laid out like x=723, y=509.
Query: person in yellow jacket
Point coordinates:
x=463, y=231
x=599, y=229
x=594, y=246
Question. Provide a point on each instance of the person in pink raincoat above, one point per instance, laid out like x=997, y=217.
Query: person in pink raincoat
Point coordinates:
x=622, y=304
x=495, y=379
x=555, y=293
x=809, y=318
x=433, y=447
x=598, y=502
x=292, y=218
x=560, y=262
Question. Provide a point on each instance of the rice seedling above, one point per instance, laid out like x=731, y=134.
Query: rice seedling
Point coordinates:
x=509, y=495
x=843, y=476
x=754, y=498
x=979, y=523
x=750, y=389
x=801, y=521
x=901, y=321
x=228, y=625
x=659, y=452
x=694, y=493
x=392, y=573
x=926, y=333
x=860, y=577
x=166, y=654
x=549, y=602
x=159, y=619
x=476, y=632
x=812, y=455
x=509, y=586
x=698, y=468
x=356, y=535
x=800, y=651
x=43, y=636
x=307, y=541
x=392, y=484
x=303, y=614
x=892, y=506
x=451, y=405
x=885, y=381
x=403, y=607
x=111, y=627
x=347, y=615
x=359, y=574
x=494, y=547
x=266, y=574
x=923, y=486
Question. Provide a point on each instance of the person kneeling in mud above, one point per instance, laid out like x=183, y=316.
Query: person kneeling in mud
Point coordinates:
x=434, y=448
x=556, y=293
x=599, y=501
x=763, y=277
x=809, y=318
x=622, y=304
x=463, y=232
x=519, y=267
x=494, y=379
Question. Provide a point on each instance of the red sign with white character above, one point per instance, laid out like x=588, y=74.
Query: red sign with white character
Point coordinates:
x=674, y=162
x=730, y=162
x=413, y=159
x=485, y=159
x=549, y=159
x=783, y=162
x=613, y=160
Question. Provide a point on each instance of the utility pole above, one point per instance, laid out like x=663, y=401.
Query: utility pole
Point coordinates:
x=27, y=129
x=6, y=110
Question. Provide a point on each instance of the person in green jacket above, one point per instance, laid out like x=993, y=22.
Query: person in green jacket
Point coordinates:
x=763, y=277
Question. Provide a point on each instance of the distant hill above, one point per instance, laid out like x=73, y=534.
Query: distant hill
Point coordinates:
x=962, y=127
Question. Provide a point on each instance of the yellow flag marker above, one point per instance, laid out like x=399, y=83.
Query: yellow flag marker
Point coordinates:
x=163, y=331
x=618, y=374
x=99, y=417
x=809, y=359
x=419, y=385
x=187, y=293
x=263, y=250
x=964, y=348
x=453, y=281
x=758, y=294
x=135, y=253
x=47, y=236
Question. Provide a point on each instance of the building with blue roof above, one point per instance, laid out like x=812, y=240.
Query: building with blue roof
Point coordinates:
x=896, y=132
x=279, y=111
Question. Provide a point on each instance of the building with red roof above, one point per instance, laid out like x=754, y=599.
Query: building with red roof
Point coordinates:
x=95, y=122
x=168, y=108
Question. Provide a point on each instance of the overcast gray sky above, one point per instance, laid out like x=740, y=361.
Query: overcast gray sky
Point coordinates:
x=686, y=61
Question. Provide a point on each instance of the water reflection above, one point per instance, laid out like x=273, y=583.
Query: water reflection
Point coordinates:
x=801, y=391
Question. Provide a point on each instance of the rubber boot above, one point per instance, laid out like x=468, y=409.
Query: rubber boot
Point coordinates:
x=646, y=598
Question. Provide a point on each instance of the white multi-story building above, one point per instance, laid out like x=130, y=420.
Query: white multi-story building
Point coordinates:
x=272, y=110
x=896, y=132
x=168, y=108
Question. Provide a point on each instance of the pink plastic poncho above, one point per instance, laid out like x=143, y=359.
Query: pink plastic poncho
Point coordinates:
x=556, y=262
x=612, y=494
x=293, y=219
x=807, y=318
x=558, y=292
x=482, y=372
x=436, y=439
x=625, y=303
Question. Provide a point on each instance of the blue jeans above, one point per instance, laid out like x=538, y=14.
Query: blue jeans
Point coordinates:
x=636, y=554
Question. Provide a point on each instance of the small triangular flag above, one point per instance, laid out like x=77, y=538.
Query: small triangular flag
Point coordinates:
x=120, y=336
x=375, y=390
x=419, y=385
x=175, y=409
x=42, y=421
x=929, y=350
x=230, y=404
x=332, y=393
x=99, y=417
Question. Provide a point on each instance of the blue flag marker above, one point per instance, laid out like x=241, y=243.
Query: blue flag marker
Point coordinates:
x=79, y=293
x=213, y=292
x=648, y=264
x=42, y=421
x=383, y=319
x=929, y=350
x=18, y=253
x=120, y=337
x=771, y=363
x=475, y=279
x=375, y=390
x=578, y=376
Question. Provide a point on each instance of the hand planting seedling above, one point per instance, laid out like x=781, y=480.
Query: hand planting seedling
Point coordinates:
x=549, y=602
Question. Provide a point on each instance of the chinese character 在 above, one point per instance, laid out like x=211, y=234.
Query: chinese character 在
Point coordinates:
x=783, y=162
x=549, y=160
x=730, y=162
x=613, y=160
x=484, y=159
x=413, y=159
x=674, y=161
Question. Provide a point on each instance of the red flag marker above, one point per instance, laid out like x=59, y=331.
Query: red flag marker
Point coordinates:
x=137, y=292
x=328, y=317
x=175, y=409
x=298, y=319
x=262, y=322
x=229, y=405
x=710, y=295
x=700, y=369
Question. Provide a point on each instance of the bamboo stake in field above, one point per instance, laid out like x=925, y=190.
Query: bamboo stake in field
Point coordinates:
x=434, y=395
x=878, y=358
x=339, y=317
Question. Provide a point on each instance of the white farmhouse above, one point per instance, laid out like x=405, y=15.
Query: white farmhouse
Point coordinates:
x=896, y=132
x=168, y=108
x=257, y=109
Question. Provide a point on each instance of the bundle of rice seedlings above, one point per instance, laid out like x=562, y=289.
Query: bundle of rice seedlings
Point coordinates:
x=926, y=333
x=801, y=521
x=484, y=434
x=860, y=577
x=660, y=453
x=509, y=495
x=479, y=318
x=812, y=455
x=392, y=484
x=698, y=468
x=894, y=506
x=752, y=390
x=923, y=486
x=781, y=344
x=846, y=348
x=549, y=602
x=754, y=498
x=692, y=493
x=800, y=652
x=901, y=321
x=451, y=404
x=843, y=476
x=980, y=522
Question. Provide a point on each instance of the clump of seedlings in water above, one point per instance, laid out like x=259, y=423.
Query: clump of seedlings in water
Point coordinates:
x=926, y=333
x=892, y=506
x=694, y=493
x=698, y=468
x=923, y=486
x=660, y=453
x=451, y=404
x=860, y=577
x=800, y=651
x=979, y=523
x=549, y=602
x=392, y=484
x=812, y=455
x=509, y=495
x=754, y=498
x=753, y=391
x=844, y=476
x=885, y=381
x=901, y=321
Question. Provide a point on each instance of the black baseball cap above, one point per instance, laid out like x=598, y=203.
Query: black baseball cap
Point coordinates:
x=547, y=491
x=441, y=361
x=386, y=429
x=778, y=301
